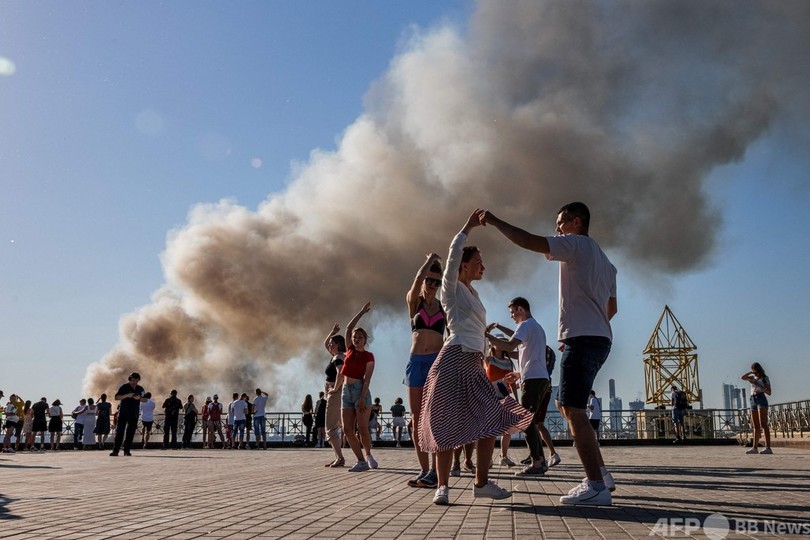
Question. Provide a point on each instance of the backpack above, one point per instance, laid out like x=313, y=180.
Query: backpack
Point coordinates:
x=680, y=400
x=551, y=360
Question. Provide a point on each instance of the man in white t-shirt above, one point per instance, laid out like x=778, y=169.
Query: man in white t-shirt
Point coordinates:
x=594, y=412
x=147, y=417
x=239, y=408
x=530, y=340
x=259, y=419
x=587, y=299
x=78, y=424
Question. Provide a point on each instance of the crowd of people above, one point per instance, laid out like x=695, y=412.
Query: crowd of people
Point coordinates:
x=467, y=384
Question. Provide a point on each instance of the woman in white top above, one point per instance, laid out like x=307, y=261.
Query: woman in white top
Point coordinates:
x=760, y=389
x=89, y=437
x=55, y=424
x=460, y=405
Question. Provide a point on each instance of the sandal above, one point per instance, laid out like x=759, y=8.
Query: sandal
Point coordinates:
x=338, y=463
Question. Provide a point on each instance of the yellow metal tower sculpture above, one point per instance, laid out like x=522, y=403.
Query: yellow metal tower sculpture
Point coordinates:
x=670, y=359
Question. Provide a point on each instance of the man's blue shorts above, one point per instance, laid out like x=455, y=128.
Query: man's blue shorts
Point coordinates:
x=677, y=416
x=581, y=359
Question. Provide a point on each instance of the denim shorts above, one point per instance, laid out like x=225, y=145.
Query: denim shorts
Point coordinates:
x=351, y=394
x=239, y=427
x=677, y=416
x=581, y=359
x=416, y=371
x=758, y=401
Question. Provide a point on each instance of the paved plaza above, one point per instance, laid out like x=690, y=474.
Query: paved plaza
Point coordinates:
x=287, y=493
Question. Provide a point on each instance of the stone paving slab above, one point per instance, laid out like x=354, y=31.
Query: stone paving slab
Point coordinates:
x=287, y=493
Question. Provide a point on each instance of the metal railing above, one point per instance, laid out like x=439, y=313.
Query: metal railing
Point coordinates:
x=786, y=420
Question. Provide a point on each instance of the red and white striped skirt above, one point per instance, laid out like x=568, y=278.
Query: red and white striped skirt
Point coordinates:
x=460, y=405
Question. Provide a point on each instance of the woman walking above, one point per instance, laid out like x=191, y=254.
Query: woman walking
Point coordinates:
x=428, y=327
x=460, y=405
x=358, y=367
x=336, y=345
x=760, y=390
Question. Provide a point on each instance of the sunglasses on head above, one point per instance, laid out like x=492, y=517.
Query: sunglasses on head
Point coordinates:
x=434, y=282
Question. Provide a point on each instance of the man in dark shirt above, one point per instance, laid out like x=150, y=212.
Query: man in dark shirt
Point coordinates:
x=171, y=409
x=130, y=396
x=40, y=425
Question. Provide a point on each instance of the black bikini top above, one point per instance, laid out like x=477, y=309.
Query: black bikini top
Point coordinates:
x=422, y=320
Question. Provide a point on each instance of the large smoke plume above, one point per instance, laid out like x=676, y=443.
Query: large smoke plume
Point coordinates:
x=627, y=106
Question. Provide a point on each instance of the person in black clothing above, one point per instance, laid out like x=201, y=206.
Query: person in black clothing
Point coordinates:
x=248, y=420
x=130, y=396
x=171, y=411
x=40, y=424
x=189, y=421
x=320, y=420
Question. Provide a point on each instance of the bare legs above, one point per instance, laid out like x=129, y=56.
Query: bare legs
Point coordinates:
x=546, y=436
x=350, y=416
x=415, y=398
x=586, y=443
x=483, y=460
x=759, y=418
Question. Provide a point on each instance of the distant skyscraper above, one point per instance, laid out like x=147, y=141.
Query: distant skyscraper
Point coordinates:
x=616, y=414
x=729, y=394
x=612, y=385
x=637, y=405
x=733, y=400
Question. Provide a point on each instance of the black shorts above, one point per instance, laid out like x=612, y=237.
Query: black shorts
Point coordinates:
x=148, y=425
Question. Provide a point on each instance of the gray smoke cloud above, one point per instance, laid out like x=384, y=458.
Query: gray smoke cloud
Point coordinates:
x=626, y=106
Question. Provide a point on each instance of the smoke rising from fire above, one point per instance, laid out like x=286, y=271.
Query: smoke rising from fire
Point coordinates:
x=626, y=106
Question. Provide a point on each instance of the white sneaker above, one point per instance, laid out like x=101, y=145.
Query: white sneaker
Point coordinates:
x=507, y=462
x=442, y=496
x=582, y=486
x=610, y=483
x=767, y=451
x=588, y=496
x=371, y=461
x=607, y=478
x=360, y=466
x=490, y=490
x=554, y=460
x=753, y=450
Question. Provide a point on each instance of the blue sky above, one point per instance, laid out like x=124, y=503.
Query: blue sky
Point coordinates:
x=119, y=119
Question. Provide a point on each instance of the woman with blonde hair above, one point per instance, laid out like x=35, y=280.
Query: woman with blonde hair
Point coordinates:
x=760, y=390
x=355, y=375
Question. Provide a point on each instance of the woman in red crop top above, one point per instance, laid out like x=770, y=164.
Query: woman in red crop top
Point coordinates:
x=356, y=396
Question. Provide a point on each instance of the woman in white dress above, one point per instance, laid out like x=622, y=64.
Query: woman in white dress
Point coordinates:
x=89, y=438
